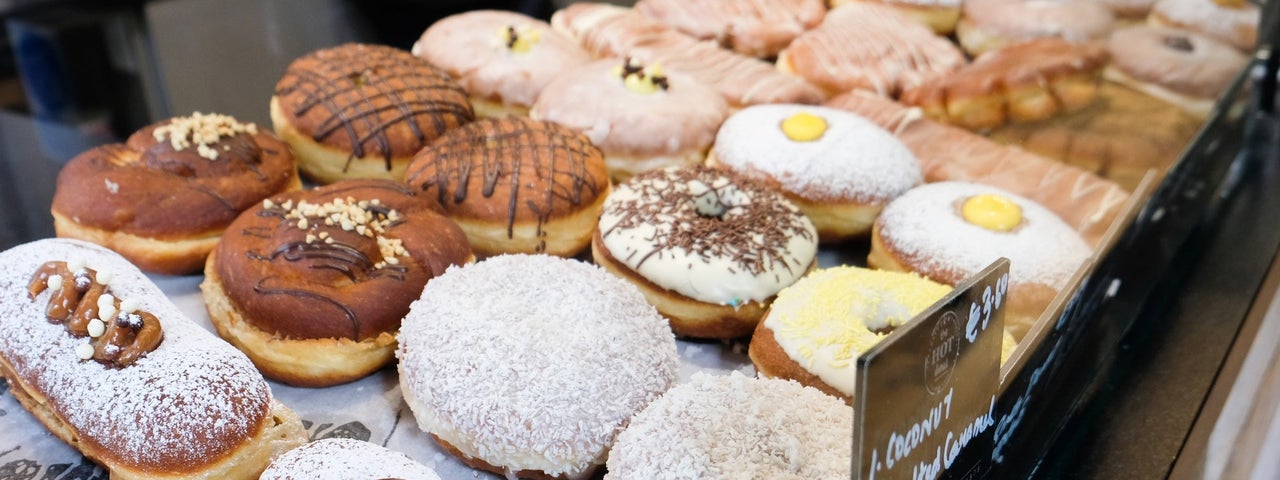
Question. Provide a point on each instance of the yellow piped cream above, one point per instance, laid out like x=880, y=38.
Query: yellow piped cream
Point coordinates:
x=519, y=40
x=804, y=127
x=642, y=80
x=991, y=211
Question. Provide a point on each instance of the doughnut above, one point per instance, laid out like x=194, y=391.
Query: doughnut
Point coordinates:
x=707, y=247
x=1087, y=202
x=1128, y=12
x=313, y=285
x=101, y=357
x=345, y=458
x=1180, y=67
x=528, y=365
x=734, y=426
x=869, y=46
x=162, y=198
x=362, y=111
x=987, y=25
x=640, y=117
x=1024, y=81
x=949, y=231
x=756, y=28
x=503, y=59
x=516, y=185
x=610, y=31
x=837, y=167
x=939, y=15
x=1234, y=22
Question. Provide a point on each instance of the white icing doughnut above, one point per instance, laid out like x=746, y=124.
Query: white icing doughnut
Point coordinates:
x=345, y=458
x=736, y=427
x=707, y=234
x=530, y=362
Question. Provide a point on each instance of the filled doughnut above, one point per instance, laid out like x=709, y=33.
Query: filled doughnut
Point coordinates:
x=756, y=28
x=108, y=364
x=640, y=117
x=733, y=427
x=949, y=231
x=1234, y=22
x=362, y=111
x=163, y=198
x=529, y=365
x=313, y=285
x=345, y=458
x=502, y=59
x=837, y=167
x=939, y=15
x=1178, y=66
x=1024, y=81
x=515, y=185
x=869, y=46
x=707, y=247
x=987, y=25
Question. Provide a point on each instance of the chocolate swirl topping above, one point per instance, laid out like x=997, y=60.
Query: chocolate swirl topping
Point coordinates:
x=119, y=333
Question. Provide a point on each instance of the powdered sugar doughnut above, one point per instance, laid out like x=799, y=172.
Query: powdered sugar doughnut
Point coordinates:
x=949, y=231
x=838, y=167
x=735, y=427
x=345, y=458
x=529, y=365
x=1235, y=23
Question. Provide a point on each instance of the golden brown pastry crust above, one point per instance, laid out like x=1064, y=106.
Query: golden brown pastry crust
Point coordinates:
x=773, y=362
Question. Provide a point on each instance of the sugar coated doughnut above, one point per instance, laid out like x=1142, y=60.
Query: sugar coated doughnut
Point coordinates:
x=707, y=247
x=987, y=25
x=345, y=458
x=816, y=328
x=1232, y=22
x=734, y=427
x=839, y=168
x=529, y=365
x=948, y=231
x=163, y=198
x=1178, y=66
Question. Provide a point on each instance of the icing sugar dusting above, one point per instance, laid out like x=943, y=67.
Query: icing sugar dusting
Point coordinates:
x=183, y=404
x=733, y=427
x=532, y=362
x=345, y=458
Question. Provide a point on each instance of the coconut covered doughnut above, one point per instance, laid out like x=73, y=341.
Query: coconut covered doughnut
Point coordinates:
x=345, y=458
x=987, y=25
x=101, y=357
x=163, y=198
x=1234, y=22
x=362, y=111
x=836, y=166
x=949, y=231
x=1178, y=66
x=939, y=15
x=516, y=185
x=735, y=427
x=529, y=365
x=313, y=285
x=503, y=59
x=640, y=117
x=756, y=28
x=707, y=247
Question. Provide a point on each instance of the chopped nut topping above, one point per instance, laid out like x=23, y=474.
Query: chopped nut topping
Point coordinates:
x=352, y=216
x=202, y=130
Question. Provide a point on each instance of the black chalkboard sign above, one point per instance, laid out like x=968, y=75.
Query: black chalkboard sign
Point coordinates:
x=925, y=395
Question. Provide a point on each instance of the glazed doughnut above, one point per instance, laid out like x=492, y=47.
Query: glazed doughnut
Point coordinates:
x=1024, y=81
x=163, y=198
x=939, y=15
x=707, y=247
x=869, y=46
x=516, y=185
x=528, y=365
x=610, y=31
x=732, y=427
x=641, y=118
x=1177, y=66
x=949, y=231
x=817, y=327
x=503, y=59
x=362, y=111
x=837, y=167
x=1231, y=22
x=987, y=25
x=108, y=364
x=313, y=285
x=345, y=458
x=756, y=28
